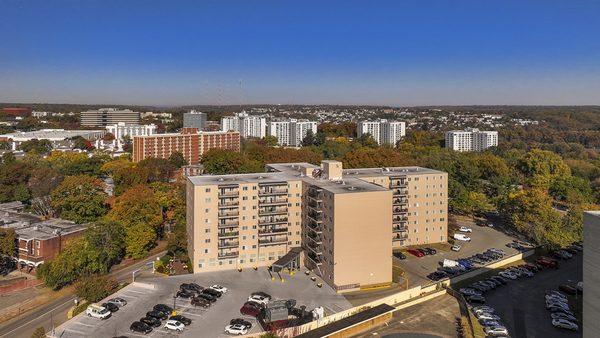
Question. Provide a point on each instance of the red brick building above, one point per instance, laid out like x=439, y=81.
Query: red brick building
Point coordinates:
x=190, y=142
x=23, y=112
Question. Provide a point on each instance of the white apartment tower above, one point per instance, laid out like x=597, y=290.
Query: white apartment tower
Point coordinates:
x=382, y=131
x=291, y=132
x=471, y=139
x=281, y=130
x=246, y=125
x=120, y=130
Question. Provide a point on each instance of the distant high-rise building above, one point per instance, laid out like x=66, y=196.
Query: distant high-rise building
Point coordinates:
x=382, y=131
x=591, y=274
x=291, y=132
x=107, y=116
x=246, y=125
x=471, y=139
x=120, y=130
x=194, y=119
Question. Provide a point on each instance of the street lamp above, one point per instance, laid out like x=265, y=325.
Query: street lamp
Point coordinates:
x=174, y=302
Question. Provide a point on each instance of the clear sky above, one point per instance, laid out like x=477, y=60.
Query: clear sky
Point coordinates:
x=398, y=52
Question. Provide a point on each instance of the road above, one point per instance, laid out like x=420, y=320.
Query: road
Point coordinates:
x=54, y=313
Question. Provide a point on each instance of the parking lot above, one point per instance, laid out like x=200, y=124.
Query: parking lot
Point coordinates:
x=482, y=238
x=521, y=303
x=210, y=322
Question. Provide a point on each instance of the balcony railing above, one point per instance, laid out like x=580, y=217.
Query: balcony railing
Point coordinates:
x=315, y=227
x=272, y=201
x=227, y=234
x=270, y=231
x=400, y=192
x=398, y=183
x=399, y=229
x=316, y=216
x=400, y=201
x=229, y=244
x=272, y=191
x=228, y=224
x=272, y=211
x=228, y=193
x=399, y=210
x=315, y=258
x=225, y=214
x=225, y=204
x=275, y=241
x=399, y=236
x=272, y=220
x=228, y=254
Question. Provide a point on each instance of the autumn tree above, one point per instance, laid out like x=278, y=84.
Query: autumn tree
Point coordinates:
x=8, y=242
x=39, y=146
x=177, y=160
x=79, y=198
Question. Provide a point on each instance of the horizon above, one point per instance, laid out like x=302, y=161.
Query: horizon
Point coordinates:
x=409, y=54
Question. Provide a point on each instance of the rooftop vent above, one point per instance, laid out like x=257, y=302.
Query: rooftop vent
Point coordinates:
x=353, y=188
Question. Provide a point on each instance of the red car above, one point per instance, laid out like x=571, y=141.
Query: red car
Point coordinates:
x=547, y=262
x=415, y=252
x=251, y=309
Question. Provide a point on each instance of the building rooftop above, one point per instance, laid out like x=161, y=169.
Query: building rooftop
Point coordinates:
x=389, y=171
x=28, y=226
x=49, y=134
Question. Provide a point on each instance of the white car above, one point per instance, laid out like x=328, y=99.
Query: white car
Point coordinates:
x=484, y=308
x=491, y=225
x=555, y=303
x=456, y=247
x=174, y=325
x=496, y=331
x=236, y=329
x=465, y=229
x=97, y=311
x=508, y=274
x=487, y=316
x=565, y=324
x=259, y=299
x=219, y=288
x=469, y=292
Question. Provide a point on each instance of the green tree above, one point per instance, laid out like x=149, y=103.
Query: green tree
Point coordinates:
x=8, y=242
x=14, y=175
x=221, y=162
x=177, y=160
x=309, y=139
x=157, y=169
x=271, y=140
x=95, y=288
x=108, y=239
x=79, y=198
x=367, y=140
x=39, y=146
x=540, y=167
x=43, y=180
x=74, y=261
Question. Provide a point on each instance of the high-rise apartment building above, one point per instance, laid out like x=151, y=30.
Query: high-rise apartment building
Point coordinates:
x=342, y=224
x=471, y=139
x=194, y=119
x=120, y=130
x=246, y=125
x=190, y=142
x=382, y=131
x=591, y=274
x=108, y=116
x=291, y=132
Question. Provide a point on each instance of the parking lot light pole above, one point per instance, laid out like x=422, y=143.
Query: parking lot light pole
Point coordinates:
x=174, y=302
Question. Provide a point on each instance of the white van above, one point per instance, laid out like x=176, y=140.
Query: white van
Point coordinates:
x=97, y=311
x=462, y=237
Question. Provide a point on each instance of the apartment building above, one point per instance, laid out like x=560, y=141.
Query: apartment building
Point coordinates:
x=121, y=129
x=591, y=274
x=246, y=125
x=59, y=138
x=194, y=119
x=291, y=132
x=471, y=139
x=190, y=142
x=107, y=116
x=382, y=131
x=342, y=224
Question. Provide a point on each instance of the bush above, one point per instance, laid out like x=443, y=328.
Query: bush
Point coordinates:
x=95, y=288
x=39, y=333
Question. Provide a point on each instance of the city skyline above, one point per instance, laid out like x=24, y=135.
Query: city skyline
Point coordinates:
x=407, y=54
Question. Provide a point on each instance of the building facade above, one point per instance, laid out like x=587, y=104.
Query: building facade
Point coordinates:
x=191, y=143
x=291, y=132
x=471, y=139
x=108, y=116
x=60, y=138
x=246, y=125
x=120, y=130
x=384, y=132
x=342, y=220
x=591, y=274
x=194, y=119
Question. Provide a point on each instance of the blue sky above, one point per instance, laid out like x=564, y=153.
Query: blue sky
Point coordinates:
x=337, y=52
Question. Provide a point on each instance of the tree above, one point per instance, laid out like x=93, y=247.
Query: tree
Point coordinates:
x=39, y=146
x=138, y=210
x=177, y=160
x=71, y=164
x=8, y=242
x=571, y=189
x=71, y=263
x=95, y=288
x=309, y=139
x=14, y=175
x=40, y=332
x=127, y=143
x=43, y=180
x=221, y=162
x=367, y=140
x=157, y=169
x=271, y=140
x=541, y=166
x=81, y=143
x=108, y=237
x=79, y=198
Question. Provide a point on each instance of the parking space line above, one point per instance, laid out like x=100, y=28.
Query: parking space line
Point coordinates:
x=135, y=291
x=80, y=323
x=75, y=331
x=192, y=314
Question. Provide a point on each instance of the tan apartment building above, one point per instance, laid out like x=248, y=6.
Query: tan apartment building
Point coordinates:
x=191, y=142
x=342, y=224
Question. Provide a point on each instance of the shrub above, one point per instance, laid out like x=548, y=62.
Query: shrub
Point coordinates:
x=39, y=333
x=95, y=288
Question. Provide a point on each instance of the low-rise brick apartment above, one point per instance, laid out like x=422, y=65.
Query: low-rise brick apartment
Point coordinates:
x=191, y=142
x=342, y=224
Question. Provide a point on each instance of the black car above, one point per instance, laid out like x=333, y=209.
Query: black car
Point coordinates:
x=163, y=308
x=435, y=276
x=184, y=320
x=424, y=252
x=157, y=314
x=199, y=301
x=240, y=321
x=207, y=297
x=431, y=251
x=476, y=299
x=111, y=307
x=140, y=327
x=212, y=292
x=196, y=287
x=399, y=255
x=185, y=294
x=152, y=321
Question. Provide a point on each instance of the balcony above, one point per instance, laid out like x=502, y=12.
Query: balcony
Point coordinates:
x=315, y=227
x=315, y=204
x=231, y=254
x=314, y=258
x=315, y=237
x=228, y=203
x=228, y=244
x=269, y=191
x=273, y=241
x=272, y=211
x=315, y=216
x=272, y=231
x=398, y=210
x=229, y=214
x=399, y=229
x=228, y=234
x=272, y=201
x=398, y=183
x=400, y=237
x=399, y=219
x=233, y=224
x=314, y=247
x=400, y=192
x=400, y=201
x=272, y=220
x=223, y=193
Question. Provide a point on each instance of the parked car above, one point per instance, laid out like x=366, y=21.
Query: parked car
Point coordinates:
x=483, y=308
x=437, y=275
x=207, y=297
x=560, y=309
x=415, y=252
x=163, y=308
x=182, y=319
x=565, y=324
x=140, y=328
x=423, y=251
x=251, y=309
x=487, y=316
x=465, y=229
x=151, y=321
x=185, y=294
x=97, y=311
x=399, y=255
x=258, y=299
x=212, y=292
x=563, y=316
x=568, y=289
x=430, y=251
x=455, y=247
x=236, y=329
x=111, y=307
x=489, y=323
x=218, y=288
x=476, y=299
x=118, y=301
x=469, y=291
x=547, y=263
x=462, y=237
x=199, y=301
x=556, y=293
x=157, y=314
x=262, y=294
x=174, y=325
x=240, y=321
x=496, y=331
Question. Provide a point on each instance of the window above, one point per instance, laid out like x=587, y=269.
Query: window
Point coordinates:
x=207, y=230
x=207, y=190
